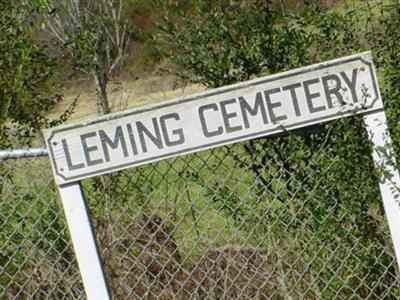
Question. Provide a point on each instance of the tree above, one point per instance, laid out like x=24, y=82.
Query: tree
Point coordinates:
x=93, y=36
x=222, y=43
x=26, y=84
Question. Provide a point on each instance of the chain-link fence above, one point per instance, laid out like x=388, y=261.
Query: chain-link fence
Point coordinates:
x=291, y=217
x=36, y=255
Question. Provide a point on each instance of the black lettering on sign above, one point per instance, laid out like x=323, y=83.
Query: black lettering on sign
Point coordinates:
x=292, y=88
x=310, y=96
x=333, y=89
x=177, y=132
x=143, y=131
x=107, y=142
x=243, y=111
x=351, y=83
x=87, y=149
x=132, y=139
x=274, y=118
x=226, y=116
x=247, y=109
x=71, y=166
x=205, y=129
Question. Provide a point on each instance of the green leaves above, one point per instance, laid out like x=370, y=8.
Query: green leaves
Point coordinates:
x=27, y=70
x=226, y=43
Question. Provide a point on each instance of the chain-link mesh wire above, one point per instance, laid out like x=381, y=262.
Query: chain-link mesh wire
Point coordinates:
x=36, y=256
x=291, y=217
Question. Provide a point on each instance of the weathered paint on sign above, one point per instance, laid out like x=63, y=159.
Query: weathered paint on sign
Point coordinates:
x=261, y=107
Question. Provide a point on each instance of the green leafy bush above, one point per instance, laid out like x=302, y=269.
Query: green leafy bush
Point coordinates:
x=27, y=70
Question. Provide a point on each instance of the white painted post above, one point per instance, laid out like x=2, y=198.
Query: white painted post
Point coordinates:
x=389, y=176
x=84, y=242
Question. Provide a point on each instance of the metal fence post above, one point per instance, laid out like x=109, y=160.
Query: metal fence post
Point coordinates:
x=84, y=242
x=389, y=183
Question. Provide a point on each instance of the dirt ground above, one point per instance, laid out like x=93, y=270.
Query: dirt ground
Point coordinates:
x=122, y=95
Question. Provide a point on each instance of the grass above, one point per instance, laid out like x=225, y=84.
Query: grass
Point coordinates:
x=191, y=196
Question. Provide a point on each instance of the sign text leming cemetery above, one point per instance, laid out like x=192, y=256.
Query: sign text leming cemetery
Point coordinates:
x=247, y=110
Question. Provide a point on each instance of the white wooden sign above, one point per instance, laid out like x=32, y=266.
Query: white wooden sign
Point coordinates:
x=261, y=107
x=247, y=110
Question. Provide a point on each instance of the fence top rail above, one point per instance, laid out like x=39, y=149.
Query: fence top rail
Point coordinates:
x=23, y=153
